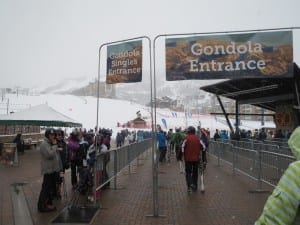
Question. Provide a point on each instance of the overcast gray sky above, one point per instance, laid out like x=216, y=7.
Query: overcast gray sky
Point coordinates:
x=46, y=40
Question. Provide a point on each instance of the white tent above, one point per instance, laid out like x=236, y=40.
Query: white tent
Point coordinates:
x=40, y=115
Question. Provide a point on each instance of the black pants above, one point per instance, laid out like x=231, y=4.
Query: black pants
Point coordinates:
x=20, y=148
x=204, y=159
x=49, y=184
x=191, y=173
x=162, y=155
x=179, y=153
x=119, y=144
x=74, y=173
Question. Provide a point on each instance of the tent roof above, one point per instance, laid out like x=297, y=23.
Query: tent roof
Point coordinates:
x=40, y=115
x=267, y=93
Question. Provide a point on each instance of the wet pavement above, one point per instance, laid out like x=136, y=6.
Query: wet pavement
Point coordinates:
x=228, y=199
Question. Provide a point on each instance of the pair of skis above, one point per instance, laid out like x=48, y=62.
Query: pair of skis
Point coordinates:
x=201, y=172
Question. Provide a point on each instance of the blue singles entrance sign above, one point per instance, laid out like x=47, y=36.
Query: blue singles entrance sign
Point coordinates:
x=124, y=62
x=244, y=55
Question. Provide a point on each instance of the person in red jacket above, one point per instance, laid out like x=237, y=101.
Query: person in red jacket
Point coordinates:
x=192, y=148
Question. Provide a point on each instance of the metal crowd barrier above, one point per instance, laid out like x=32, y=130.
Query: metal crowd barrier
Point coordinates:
x=260, y=161
x=108, y=165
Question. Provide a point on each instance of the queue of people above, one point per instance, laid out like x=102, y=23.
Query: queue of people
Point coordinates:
x=77, y=152
x=282, y=206
x=258, y=134
x=190, y=148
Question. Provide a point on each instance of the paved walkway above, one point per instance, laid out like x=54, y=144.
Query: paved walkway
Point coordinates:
x=226, y=201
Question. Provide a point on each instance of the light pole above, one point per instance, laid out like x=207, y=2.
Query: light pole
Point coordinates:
x=7, y=106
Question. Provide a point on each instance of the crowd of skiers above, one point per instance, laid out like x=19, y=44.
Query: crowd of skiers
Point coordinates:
x=77, y=152
x=189, y=146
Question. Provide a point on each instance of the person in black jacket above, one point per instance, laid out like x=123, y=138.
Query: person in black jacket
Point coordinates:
x=217, y=135
x=85, y=165
x=19, y=142
x=64, y=160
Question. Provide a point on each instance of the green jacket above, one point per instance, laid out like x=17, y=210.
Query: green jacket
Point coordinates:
x=177, y=138
x=282, y=207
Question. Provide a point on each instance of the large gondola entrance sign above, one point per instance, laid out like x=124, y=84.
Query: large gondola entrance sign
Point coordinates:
x=230, y=56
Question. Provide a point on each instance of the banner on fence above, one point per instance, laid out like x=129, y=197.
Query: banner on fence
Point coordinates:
x=244, y=55
x=124, y=62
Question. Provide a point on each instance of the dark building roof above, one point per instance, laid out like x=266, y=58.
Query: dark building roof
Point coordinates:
x=262, y=92
x=138, y=120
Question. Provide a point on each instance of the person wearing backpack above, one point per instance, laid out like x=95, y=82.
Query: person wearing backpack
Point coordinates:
x=86, y=154
x=177, y=139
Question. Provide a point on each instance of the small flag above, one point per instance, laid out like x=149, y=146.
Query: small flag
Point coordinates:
x=164, y=122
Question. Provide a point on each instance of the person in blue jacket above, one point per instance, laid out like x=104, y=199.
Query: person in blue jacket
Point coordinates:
x=161, y=138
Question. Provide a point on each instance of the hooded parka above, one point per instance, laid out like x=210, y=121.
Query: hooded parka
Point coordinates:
x=282, y=207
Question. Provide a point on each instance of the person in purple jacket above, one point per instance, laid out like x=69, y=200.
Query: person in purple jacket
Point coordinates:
x=73, y=148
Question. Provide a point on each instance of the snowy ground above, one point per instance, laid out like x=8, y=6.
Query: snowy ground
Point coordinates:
x=84, y=110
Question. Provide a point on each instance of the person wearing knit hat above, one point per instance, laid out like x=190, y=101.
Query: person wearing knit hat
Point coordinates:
x=50, y=165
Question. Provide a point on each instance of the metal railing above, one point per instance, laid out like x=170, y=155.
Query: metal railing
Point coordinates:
x=261, y=161
x=109, y=165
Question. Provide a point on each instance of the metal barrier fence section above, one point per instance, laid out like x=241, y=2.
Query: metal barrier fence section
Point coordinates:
x=108, y=165
x=262, y=161
x=273, y=166
x=245, y=160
